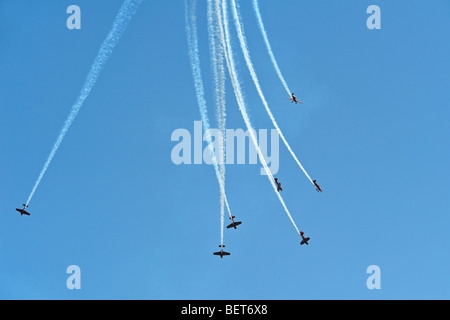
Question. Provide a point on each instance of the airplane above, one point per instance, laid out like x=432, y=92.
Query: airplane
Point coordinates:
x=278, y=185
x=317, y=186
x=22, y=211
x=233, y=224
x=221, y=253
x=305, y=240
x=294, y=99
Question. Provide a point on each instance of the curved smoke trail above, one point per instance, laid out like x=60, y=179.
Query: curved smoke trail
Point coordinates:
x=243, y=43
x=191, y=30
x=126, y=12
x=269, y=47
x=225, y=35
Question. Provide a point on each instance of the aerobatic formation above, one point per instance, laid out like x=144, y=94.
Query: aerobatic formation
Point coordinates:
x=222, y=58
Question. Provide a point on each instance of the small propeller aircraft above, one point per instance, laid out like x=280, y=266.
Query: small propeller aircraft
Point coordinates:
x=233, y=224
x=317, y=186
x=22, y=211
x=221, y=253
x=294, y=99
x=305, y=240
x=278, y=185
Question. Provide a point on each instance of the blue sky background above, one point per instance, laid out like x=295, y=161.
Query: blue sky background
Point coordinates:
x=374, y=131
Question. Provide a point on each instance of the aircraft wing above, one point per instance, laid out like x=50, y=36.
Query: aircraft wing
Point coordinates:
x=23, y=212
x=235, y=224
x=295, y=101
x=305, y=241
x=221, y=253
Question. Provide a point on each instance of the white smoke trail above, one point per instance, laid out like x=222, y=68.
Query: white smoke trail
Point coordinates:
x=269, y=47
x=126, y=12
x=225, y=35
x=192, y=39
x=243, y=43
x=217, y=62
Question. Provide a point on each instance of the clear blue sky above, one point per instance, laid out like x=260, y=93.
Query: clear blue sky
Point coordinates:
x=374, y=131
